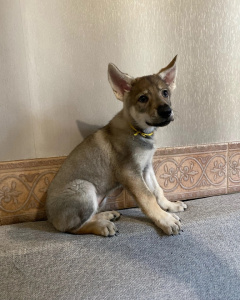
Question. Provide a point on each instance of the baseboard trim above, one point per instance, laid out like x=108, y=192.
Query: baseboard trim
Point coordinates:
x=183, y=172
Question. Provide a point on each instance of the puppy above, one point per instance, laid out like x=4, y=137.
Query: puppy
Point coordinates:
x=119, y=154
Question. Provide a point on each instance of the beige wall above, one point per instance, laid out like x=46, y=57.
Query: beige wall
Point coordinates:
x=53, y=68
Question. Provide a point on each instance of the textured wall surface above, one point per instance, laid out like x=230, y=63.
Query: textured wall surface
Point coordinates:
x=54, y=56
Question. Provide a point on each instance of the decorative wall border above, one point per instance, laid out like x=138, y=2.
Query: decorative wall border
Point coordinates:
x=183, y=173
x=192, y=172
x=23, y=186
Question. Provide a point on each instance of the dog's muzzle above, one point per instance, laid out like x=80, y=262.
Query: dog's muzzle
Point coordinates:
x=166, y=113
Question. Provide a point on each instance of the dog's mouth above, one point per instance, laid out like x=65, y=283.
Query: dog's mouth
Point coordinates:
x=161, y=124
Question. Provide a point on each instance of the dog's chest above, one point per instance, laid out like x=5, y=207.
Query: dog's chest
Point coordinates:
x=143, y=158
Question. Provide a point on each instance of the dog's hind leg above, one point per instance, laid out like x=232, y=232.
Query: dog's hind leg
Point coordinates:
x=74, y=210
x=72, y=205
x=109, y=215
x=100, y=224
x=97, y=226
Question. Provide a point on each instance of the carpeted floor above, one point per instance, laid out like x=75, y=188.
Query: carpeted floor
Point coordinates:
x=36, y=262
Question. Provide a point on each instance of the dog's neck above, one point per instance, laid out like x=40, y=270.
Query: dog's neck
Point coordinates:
x=125, y=122
x=139, y=129
x=141, y=132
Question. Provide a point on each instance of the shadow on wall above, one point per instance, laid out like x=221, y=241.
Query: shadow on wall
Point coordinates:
x=86, y=129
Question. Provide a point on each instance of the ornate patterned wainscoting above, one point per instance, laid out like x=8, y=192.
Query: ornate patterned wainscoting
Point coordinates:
x=183, y=173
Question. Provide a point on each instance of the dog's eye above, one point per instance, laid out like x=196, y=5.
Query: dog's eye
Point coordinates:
x=165, y=93
x=143, y=99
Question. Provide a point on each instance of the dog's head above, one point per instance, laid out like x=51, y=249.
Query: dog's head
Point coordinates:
x=146, y=99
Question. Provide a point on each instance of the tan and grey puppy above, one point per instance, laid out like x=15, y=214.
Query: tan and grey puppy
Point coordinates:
x=119, y=154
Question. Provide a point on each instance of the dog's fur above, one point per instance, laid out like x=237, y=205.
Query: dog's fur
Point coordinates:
x=119, y=154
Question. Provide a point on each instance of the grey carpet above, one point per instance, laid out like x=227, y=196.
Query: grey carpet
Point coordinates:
x=141, y=263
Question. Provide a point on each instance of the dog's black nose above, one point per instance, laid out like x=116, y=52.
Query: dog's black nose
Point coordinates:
x=164, y=111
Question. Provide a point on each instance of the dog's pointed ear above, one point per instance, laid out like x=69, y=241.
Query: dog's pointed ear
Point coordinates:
x=120, y=82
x=169, y=74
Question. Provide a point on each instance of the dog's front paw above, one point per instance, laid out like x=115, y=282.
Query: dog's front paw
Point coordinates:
x=176, y=206
x=169, y=223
